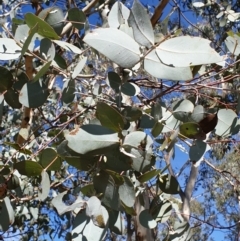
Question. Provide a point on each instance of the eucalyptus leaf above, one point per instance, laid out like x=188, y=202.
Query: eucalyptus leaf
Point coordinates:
x=187, y=51
x=42, y=71
x=146, y=219
x=77, y=17
x=7, y=216
x=142, y=30
x=119, y=13
x=114, y=81
x=45, y=186
x=44, y=29
x=154, y=66
x=148, y=175
x=34, y=94
x=227, y=121
x=91, y=139
x=9, y=49
x=109, y=117
x=169, y=184
x=127, y=192
x=115, y=45
x=79, y=67
x=28, y=168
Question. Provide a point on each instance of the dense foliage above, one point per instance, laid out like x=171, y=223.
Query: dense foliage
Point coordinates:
x=119, y=120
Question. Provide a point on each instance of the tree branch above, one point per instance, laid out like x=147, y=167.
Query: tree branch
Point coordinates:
x=158, y=12
x=186, y=198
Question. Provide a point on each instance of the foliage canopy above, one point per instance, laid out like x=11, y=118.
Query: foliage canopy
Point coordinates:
x=92, y=119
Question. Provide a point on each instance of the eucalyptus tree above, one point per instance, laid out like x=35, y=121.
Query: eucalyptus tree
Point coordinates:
x=88, y=113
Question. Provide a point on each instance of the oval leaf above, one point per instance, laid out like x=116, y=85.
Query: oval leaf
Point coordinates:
x=77, y=17
x=67, y=46
x=45, y=186
x=91, y=138
x=34, y=94
x=148, y=175
x=127, y=192
x=142, y=30
x=44, y=29
x=147, y=220
x=109, y=117
x=160, y=210
x=227, y=120
x=156, y=68
x=28, y=168
x=187, y=51
x=115, y=45
x=9, y=49
x=79, y=67
x=169, y=184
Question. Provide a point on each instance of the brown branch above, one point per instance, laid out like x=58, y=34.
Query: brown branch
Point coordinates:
x=158, y=12
x=27, y=112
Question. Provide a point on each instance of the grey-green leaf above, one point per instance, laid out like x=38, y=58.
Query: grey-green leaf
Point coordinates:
x=118, y=9
x=7, y=216
x=227, y=120
x=33, y=94
x=160, y=209
x=139, y=20
x=154, y=66
x=29, y=39
x=91, y=139
x=45, y=186
x=197, y=150
x=147, y=220
x=187, y=51
x=77, y=17
x=9, y=49
x=47, y=49
x=115, y=45
x=114, y=81
x=42, y=71
x=79, y=67
x=127, y=192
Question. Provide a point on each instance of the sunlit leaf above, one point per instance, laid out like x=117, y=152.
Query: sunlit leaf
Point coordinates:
x=44, y=29
x=148, y=175
x=45, y=186
x=227, y=122
x=9, y=49
x=84, y=228
x=186, y=51
x=91, y=138
x=54, y=17
x=154, y=66
x=61, y=207
x=115, y=45
x=142, y=30
x=119, y=13
x=79, y=67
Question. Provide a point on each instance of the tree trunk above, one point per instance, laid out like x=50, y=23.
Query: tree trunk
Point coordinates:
x=142, y=233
